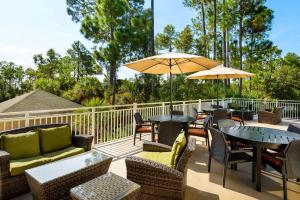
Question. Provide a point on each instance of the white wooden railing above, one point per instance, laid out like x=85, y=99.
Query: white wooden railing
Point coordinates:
x=109, y=123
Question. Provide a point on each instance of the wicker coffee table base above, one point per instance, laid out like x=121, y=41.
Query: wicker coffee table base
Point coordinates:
x=107, y=187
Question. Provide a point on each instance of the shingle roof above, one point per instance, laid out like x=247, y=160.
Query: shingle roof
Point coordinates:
x=36, y=100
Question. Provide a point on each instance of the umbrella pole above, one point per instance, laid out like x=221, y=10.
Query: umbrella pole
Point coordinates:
x=171, y=89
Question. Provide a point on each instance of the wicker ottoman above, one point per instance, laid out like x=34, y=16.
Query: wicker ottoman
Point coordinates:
x=53, y=181
x=107, y=187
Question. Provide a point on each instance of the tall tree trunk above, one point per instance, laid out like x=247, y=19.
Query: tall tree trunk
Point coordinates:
x=152, y=28
x=251, y=57
x=112, y=80
x=224, y=53
x=204, y=28
x=215, y=29
x=228, y=53
x=241, y=42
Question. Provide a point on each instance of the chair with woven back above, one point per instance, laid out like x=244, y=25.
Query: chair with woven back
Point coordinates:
x=287, y=164
x=141, y=126
x=201, y=131
x=218, y=115
x=168, y=132
x=176, y=112
x=220, y=152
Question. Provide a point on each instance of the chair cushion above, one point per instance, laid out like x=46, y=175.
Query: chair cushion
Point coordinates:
x=271, y=159
x=54, y=139
x=177, y=148
x=201, y=132
x=159, y=157
x=70, y=151
x=236, y=118
x=201, y=116
x=144, y=129
x=18, y=166
x=21, y=145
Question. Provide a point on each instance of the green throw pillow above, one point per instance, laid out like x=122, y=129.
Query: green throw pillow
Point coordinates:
x=177, y=148
x=54, y=139
x=21, y=145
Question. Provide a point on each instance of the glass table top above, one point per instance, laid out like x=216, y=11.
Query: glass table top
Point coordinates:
x=53, y=170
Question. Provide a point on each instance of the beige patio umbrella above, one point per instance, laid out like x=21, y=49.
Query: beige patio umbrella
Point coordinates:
x=172, y=63
x=220, y=72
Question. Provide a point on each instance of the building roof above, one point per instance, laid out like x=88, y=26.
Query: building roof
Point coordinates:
x=36, y=100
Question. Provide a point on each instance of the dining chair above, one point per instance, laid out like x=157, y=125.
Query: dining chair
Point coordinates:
x=199, y=115
x=141, y=126
x=222, y=123
x=218, y=115
x=220, y=152
x=238, y=116
x=176, y=112
x=201, y=131
x=294, y=128
x=288, y=164
x=168, y=132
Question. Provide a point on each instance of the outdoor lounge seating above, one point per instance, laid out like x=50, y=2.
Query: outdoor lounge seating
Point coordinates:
x=30, y=147
x=288, y=163
x=220, y=152
x=176, y=112
x=270, y=117
x=158, y=176
x=294, y=128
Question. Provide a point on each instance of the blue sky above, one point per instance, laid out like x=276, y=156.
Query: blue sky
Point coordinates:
x=33, y=26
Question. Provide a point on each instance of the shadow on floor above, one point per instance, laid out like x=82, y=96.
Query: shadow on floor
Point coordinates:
x=195, y=194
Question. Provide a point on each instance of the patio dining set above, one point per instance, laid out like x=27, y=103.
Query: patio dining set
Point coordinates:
x=229, y=144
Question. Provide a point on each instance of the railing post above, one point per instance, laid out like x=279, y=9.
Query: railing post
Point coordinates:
x=163, y=108
x=93, y=123
x=26, y=119
x=134, y=110
x=183, y=107
x=199, y=105
x=223, y=102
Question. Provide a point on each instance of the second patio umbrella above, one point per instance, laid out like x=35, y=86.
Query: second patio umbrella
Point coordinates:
x=220, y=72
x=172, y=63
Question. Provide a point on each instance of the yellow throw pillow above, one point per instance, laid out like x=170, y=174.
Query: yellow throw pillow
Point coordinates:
x=177, y=148
x=21, y=145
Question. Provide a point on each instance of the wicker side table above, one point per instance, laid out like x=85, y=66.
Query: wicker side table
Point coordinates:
x=107, y=187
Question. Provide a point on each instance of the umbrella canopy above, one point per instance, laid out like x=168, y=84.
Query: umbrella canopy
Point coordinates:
x=174, y=63
x=220, y=72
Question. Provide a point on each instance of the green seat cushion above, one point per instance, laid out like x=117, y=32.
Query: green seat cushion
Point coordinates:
x=177, y=148
x=159, y=157
x=21, y=145
x=64, y=153
x=54, y=139
x=18, y=166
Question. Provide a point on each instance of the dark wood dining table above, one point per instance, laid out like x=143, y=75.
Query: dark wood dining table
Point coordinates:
x=183, y=119
x=259, y=138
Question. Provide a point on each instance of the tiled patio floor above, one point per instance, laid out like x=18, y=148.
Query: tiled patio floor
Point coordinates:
x=204, y=185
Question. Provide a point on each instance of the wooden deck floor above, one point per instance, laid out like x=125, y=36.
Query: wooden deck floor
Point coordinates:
x=204, y=185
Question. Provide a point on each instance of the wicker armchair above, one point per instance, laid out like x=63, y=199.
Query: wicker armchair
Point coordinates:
x=159, y=181
x=12, y=186
x=270, y=117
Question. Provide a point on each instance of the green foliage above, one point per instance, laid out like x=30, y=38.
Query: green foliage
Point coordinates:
x=166, y=39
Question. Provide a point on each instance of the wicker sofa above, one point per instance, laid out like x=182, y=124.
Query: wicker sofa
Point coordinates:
x=159, y=181
x=16, y=184
x=270, y=117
